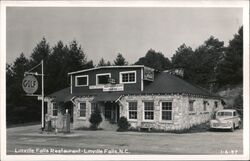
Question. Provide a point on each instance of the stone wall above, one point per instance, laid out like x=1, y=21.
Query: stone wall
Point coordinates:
x=181, y=118
x=79, y=122
x=56, y=121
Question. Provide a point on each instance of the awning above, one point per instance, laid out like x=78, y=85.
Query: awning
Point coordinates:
x=106, y=97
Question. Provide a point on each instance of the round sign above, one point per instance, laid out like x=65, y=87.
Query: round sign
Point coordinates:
x=30, y=84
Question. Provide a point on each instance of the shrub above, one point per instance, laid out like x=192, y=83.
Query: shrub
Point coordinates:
x=123, y=124
x=95, y=119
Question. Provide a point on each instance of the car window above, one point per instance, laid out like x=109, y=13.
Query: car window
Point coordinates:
x=234, y=113
x=224, y=114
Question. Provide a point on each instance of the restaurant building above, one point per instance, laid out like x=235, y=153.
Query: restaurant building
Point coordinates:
x=146, y=97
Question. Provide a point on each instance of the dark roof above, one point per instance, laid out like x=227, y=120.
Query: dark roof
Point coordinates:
x=167, y=83
x=62, y=95
x=164, y=83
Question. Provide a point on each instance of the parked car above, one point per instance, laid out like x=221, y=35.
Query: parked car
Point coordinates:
x=226, y=119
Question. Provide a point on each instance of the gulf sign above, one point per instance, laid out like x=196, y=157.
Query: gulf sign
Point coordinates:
x=30, y=84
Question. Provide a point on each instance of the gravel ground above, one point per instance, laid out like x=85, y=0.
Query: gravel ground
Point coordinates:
x=29, y=140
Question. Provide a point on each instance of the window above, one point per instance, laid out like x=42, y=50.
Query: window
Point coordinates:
x=149, y=110
x=82, y=80
x=215, y=104
x=191, y=105
x=132, y=110
x=128, y=77
x=82, y=109
x=54, y=109
x=224, y=114
x=93, y=107
x=102, y=78
x=166, y=110
x=204, y=105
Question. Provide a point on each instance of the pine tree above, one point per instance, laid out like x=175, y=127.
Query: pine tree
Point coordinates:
x=120, y=60
x=230, y=69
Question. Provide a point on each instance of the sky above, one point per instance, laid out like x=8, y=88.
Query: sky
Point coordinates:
x=104, y=32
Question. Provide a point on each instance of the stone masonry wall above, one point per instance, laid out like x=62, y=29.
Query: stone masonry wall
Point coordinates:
x=77, y=120
x=55, y=121
x=181, y=119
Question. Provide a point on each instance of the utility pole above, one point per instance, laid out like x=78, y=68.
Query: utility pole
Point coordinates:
x=30, y=91
x=42, y=97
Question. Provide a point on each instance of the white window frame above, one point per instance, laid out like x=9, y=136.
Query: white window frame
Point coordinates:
x=79, y=110
x=102, y=74
x=132, y=110
x=143, y=112
x=127, y=72
x=54, y=108
x=92, y=108
x=172, y=112
x=80, y=76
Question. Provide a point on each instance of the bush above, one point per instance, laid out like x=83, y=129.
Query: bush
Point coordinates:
x=95, y=119
x=123, y=124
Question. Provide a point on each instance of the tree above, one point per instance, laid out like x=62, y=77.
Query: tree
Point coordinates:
x=103, y=63
x=230, y=69
x=183, y=59
x=205, y=61
x=120, y=60
x=19, y=108
x=123, y=124
x=58, y=67
x=154, y=60
x=40, y=52
x=76, y=58
x=58, y=62
x=95, y=119
x=14, y=75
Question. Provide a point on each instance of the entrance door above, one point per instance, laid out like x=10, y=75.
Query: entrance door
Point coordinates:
x=112, y=111
x=69, y=107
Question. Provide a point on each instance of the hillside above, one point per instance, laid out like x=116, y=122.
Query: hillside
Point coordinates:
x=232, y=96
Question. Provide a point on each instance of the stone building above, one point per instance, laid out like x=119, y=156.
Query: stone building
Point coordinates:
x=146, y=97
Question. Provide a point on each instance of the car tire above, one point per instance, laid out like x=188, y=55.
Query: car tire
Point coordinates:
x=239, y=125
x=233, y=128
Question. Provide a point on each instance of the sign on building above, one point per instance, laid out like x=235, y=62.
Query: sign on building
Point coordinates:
x=113, y=87
x=148, y=74
x=30, y=84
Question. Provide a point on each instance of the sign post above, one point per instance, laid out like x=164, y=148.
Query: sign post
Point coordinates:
x=42, y=97
x=30, y=85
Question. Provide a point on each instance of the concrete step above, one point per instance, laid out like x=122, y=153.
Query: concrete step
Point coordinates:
x=108, y=126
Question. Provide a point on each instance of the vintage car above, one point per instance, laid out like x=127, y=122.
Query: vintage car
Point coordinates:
x=226, y=119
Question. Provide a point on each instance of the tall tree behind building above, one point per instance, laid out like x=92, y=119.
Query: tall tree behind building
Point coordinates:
x=102, y=62
x=183, y=59
x=120, y=60
x=154, y=60
x=230, y=69
x=205, y=61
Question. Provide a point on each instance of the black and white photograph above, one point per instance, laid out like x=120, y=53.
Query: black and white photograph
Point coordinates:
x=110, y=80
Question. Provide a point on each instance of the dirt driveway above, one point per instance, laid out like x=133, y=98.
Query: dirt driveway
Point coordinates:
x=28, y=140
